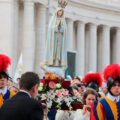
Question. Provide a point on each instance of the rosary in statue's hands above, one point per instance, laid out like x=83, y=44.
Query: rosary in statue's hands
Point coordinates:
x=59, y=23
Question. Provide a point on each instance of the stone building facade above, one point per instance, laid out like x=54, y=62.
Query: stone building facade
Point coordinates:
x=93, y=32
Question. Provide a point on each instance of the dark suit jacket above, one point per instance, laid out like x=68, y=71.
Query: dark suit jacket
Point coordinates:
x=21, y=107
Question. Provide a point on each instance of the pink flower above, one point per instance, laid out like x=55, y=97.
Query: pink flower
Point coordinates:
x=58, y=93
x=63, y=99
x=48, y=94
x=51, y=92
x=52, y=85
x=65, y=92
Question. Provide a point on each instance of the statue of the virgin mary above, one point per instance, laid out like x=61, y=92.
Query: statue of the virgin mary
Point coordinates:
x=57, y=43
x=56, y=52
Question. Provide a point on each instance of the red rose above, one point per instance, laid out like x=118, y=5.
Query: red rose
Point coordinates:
x=52, y=85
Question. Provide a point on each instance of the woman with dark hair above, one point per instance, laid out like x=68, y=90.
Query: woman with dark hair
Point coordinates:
x=88, y=98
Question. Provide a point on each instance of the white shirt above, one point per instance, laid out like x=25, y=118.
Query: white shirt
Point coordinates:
x=3, y=91
x=25, y=92
x=64, y=115
x=113, y=98
x=79, y=116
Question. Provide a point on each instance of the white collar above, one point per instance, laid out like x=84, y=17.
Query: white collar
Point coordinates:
x=25, y=92
x=113, y=98
x=3, y=91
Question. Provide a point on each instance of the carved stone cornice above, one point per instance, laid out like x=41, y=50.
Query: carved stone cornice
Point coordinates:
x=95, y=5
x=44, y=2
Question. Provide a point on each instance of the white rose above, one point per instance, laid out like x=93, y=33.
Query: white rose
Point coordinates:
x=40, y=88
x=41, y=85
x=58, y=85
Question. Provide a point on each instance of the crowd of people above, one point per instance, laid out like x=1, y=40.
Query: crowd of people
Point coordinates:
x=100, y=94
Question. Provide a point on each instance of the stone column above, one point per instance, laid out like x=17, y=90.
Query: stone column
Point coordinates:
x=117, y=45
x=28, y=36
x=41, y=36
x=92, y=56
x=15, y=36
x=70, y=34
x=6, y=29
x=80, y=66
x=105, y=46
x=6, y=26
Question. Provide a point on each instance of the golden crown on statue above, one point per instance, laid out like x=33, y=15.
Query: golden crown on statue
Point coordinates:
x=62, y=3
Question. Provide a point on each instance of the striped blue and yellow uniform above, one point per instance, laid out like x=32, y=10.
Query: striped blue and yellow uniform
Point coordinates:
x=108, y=110
x=9, y=94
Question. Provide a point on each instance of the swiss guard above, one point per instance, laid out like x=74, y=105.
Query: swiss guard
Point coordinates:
x=4, y=77
x=94, y=81
x=109, y=107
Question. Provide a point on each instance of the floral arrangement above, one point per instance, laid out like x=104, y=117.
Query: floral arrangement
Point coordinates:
x=58, y=97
